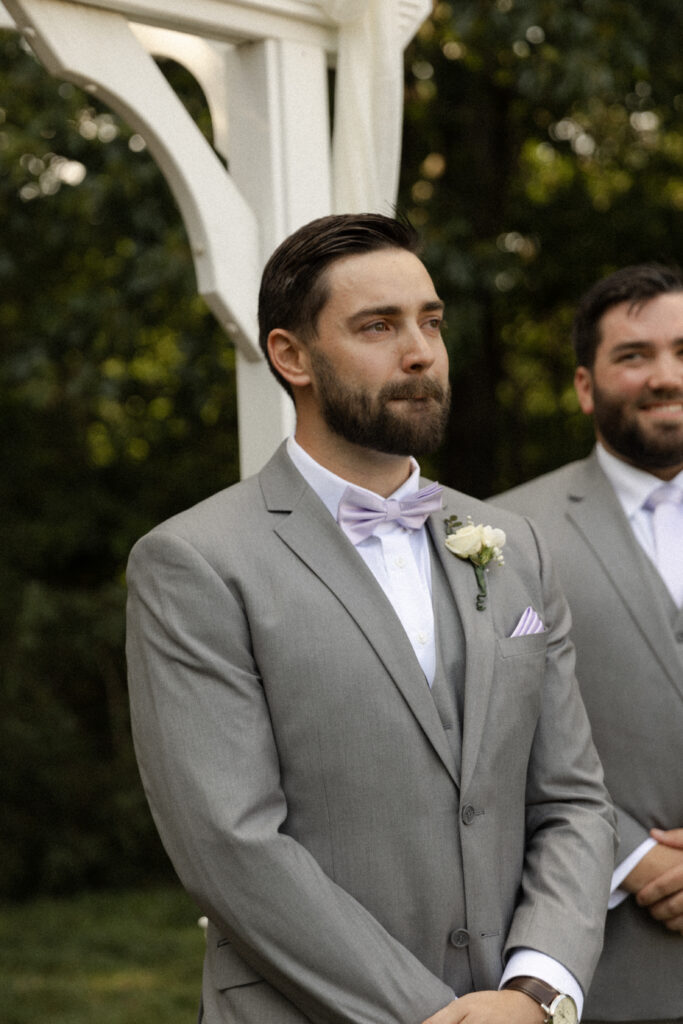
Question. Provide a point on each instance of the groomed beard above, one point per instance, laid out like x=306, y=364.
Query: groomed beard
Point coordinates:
x=368, y=420
x=660, y=448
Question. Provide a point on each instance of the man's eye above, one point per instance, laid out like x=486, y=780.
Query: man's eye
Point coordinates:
x=630, y=357
x=377, y=327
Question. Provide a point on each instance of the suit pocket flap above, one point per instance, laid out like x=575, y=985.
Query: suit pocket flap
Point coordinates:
x=229, y=969
x=513, y=646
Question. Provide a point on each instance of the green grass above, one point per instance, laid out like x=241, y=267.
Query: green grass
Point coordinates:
x=109, y=958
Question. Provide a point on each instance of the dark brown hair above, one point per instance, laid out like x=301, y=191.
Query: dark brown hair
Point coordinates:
x=634, y=285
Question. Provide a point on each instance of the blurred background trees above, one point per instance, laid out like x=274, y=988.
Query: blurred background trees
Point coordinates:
x=543, y=148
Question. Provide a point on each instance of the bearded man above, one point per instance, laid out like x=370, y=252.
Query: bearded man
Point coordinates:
x=614, y=523
x=369, y=763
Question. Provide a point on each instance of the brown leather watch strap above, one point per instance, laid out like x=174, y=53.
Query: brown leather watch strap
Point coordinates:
x=534, y=987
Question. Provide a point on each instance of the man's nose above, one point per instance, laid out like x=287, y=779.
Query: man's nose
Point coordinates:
x=418, y=351
x=667, y=371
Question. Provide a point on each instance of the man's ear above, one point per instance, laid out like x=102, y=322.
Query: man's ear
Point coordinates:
x=583, y=384
x=289, y=357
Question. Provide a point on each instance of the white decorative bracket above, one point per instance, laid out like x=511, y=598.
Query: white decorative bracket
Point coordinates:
x=263, y=67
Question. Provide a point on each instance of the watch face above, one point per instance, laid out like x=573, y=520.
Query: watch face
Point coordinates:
x=563, y=1010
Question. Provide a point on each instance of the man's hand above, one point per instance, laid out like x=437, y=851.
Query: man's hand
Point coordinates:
x=663, y=895
x=506, y=1007
x=657, y=880
x=673, y=837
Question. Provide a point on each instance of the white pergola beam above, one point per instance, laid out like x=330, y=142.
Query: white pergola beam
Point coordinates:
x=247, y=20
x=233, y=21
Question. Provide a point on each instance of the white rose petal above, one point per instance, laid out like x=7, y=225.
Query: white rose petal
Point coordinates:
x=492, y=537
x=465, y=542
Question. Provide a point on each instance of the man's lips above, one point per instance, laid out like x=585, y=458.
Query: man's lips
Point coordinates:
x=662, y=410
x=415, y=403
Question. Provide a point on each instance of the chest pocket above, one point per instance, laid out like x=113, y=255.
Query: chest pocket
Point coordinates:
x=521, y=664
x=227, y=967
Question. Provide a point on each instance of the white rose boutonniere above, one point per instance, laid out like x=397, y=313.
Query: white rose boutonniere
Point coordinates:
x=480, y=545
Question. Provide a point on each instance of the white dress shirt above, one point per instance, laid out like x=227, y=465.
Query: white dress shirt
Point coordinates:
x=399, y=560
x=632, y=487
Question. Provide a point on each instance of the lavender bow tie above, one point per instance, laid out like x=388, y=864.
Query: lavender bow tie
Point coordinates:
x=360, y=513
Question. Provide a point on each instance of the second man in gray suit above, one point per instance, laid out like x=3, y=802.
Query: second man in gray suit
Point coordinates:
x=622, y=571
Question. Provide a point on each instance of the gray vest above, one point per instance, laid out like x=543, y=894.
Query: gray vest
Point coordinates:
x=448, y=693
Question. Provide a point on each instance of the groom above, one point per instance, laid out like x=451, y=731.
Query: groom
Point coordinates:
x=365, y=754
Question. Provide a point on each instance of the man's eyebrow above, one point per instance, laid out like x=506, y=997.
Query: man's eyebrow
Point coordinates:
x=375, y=311
x=434, y=305
x=639, y=345
x=626, y=346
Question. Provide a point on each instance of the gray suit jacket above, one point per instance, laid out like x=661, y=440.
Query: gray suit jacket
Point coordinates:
x=303, y=782
x=629, y=639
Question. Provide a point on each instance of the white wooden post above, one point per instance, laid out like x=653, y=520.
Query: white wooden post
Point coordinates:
x=263, y=67
x=278, y=114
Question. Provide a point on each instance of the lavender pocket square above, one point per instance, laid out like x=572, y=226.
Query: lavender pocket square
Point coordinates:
x=529, y=623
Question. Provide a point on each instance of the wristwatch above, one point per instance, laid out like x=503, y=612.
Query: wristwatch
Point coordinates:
x=558, y=1007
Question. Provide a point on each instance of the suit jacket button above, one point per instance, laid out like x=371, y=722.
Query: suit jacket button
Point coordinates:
x=460, y=938
x=468, y=814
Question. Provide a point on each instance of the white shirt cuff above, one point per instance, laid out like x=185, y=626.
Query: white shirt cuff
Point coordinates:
x=618, y=895
x=533, y=964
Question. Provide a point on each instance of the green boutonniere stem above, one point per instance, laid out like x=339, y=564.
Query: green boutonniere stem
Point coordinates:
x=479, y=572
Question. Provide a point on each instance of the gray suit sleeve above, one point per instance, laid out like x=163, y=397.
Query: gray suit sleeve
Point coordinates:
x=631, y=834
x=567, y=810
x=210, y=768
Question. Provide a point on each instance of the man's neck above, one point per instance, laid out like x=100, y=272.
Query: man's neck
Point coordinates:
x=376, y=471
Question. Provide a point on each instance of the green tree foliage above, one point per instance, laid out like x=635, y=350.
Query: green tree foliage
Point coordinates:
x=117, y=408
x=543, y=149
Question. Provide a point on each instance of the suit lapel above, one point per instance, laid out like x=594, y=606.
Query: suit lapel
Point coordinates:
x=595, y=512
x=480, y=641
x=311, y=533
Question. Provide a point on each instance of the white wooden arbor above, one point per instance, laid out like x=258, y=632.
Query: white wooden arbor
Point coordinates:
x=263, y=67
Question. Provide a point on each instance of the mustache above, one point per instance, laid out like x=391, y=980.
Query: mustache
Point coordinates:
x=650, y=395
x=426, y=387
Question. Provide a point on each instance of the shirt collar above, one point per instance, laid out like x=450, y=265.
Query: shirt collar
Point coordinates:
x=632, y=486
x=329, y=487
